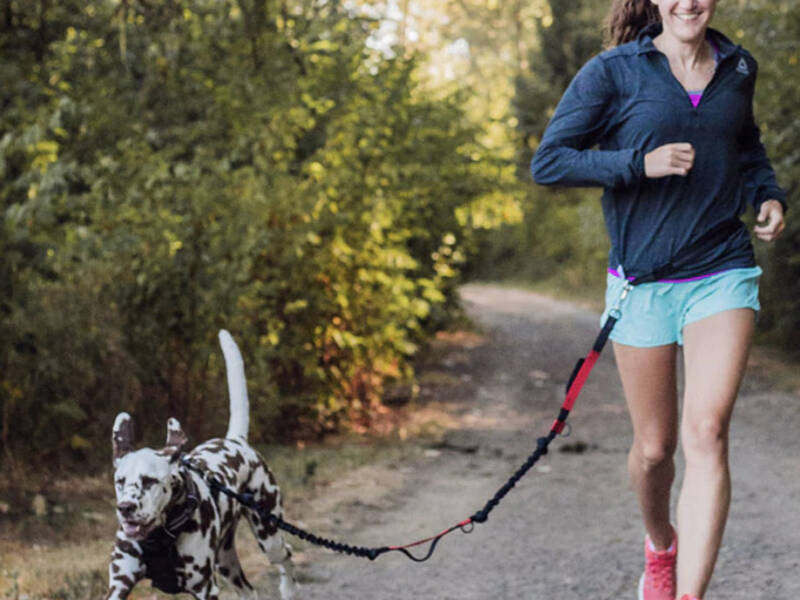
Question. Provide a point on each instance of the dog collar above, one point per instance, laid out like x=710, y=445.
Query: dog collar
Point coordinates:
x=180, y=514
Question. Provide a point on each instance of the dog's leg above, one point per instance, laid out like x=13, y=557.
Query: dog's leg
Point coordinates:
x=288, y=585
x=280, y=555
x=125, y=569
x=209, y=590
x=269, y=537
x=229, y=567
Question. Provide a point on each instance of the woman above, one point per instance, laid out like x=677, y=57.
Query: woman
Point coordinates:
x=669, y=107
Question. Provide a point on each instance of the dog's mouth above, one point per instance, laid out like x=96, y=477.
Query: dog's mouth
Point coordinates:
x=136, y=529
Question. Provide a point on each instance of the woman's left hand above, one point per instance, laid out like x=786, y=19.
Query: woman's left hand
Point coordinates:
x=771, y=215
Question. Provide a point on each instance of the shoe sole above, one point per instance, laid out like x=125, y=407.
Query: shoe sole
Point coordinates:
x=641, y=587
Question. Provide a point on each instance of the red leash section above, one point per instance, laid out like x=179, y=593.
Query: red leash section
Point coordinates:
x=461, y=525
x=466, y=526
x=583, y=369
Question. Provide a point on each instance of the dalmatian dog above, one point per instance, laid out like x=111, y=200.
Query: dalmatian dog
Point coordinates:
x=175, y=528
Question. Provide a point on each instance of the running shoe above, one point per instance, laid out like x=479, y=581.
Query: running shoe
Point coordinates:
x=658, y=579
x=688, y=597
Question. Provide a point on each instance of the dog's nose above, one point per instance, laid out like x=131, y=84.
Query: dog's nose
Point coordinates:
x=126, y=508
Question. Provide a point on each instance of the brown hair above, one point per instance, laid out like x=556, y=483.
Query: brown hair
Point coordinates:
x=627, y=18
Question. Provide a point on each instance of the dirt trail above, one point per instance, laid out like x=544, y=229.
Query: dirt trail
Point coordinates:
x=570, y=529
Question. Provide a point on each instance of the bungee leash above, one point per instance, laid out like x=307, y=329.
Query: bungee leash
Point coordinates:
x=574, y=386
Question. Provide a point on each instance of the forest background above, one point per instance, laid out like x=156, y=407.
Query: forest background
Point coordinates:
x=316, y=176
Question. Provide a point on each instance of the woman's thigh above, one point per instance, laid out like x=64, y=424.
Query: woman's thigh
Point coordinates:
x=715, y=356
x=649, y=382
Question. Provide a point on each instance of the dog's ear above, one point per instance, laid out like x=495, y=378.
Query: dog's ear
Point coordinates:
x=176, y=438
x=122, y=436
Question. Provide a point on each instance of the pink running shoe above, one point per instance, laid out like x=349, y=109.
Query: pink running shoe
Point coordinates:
x=688, y=597
x=658, y=579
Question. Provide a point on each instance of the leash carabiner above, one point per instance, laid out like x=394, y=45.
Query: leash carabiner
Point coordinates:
x=616, y=310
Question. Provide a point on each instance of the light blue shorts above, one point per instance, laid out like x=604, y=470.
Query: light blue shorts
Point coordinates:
x=654, y=314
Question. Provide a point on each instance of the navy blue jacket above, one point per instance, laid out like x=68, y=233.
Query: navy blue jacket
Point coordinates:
x=626, y=102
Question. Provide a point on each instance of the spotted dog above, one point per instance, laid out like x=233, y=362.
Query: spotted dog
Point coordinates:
x=173, y=528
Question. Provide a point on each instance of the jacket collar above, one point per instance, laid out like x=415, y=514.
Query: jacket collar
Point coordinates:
x=645, y=41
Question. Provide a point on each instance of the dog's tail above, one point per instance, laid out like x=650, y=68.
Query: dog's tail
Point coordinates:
x=239, y=423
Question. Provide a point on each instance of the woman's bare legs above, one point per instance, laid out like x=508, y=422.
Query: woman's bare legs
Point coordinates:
x=715, y=356
x=649, y=381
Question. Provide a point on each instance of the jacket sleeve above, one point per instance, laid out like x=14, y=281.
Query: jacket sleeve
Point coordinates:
x=758, y=176
x=565, y=155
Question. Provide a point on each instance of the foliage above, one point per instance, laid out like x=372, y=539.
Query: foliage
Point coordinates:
x=171, y=168
x=770, y=31
x=562, y=234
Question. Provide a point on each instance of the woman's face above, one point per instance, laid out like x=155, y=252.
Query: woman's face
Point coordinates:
x=686, y=20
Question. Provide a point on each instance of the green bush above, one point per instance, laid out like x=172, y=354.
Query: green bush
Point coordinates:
x=169, y=169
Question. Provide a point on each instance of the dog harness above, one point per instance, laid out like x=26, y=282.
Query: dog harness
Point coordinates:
x=159, y=551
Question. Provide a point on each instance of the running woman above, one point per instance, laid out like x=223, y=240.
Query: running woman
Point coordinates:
x=663, y=121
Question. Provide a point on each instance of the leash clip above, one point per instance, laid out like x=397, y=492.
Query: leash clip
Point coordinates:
x=616, y=311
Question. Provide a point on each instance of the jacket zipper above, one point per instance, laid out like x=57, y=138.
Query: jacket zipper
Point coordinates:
x=684, y=92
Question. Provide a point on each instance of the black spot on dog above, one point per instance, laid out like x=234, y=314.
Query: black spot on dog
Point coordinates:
x=228, y=544
x=205, y=570
x=125, y=580
x=234, y=461
x=206, y=516
x=190, y=527
x=128, y=548
x=148, y=482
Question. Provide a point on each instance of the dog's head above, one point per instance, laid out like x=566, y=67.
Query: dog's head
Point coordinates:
x=145, y=480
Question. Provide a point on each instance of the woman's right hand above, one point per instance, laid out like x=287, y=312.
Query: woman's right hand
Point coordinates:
x=669, y=159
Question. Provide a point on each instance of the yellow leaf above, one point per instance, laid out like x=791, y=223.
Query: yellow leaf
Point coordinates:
x=77, y=442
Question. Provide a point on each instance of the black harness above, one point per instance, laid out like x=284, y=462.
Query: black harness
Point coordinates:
x=159, y=552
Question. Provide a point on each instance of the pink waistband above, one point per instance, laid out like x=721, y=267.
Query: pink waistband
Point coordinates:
x=615, y=273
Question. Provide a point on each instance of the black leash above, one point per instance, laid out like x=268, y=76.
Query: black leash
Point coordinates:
x=575, y=383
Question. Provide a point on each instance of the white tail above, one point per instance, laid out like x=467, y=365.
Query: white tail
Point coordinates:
x=239, y=422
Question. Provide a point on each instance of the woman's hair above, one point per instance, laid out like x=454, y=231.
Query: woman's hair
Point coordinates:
x=627, y=18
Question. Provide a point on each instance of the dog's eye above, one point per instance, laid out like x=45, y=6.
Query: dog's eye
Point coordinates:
x=148, y=481
x=120, y=482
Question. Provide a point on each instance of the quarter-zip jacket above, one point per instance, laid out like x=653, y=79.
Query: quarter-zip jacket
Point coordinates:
x=626, y=102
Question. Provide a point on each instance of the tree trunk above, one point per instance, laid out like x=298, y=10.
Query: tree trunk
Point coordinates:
x=41, y=42
x=8, y=15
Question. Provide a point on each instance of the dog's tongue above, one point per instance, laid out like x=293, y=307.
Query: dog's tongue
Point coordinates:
x=132, y=529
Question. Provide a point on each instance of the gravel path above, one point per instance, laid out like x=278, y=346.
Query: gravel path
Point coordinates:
x=570, y=529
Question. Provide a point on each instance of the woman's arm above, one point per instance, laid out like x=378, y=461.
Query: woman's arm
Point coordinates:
x=583, y=115
x=758, y=175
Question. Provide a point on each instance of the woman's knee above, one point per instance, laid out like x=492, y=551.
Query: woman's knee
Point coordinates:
x=704, y=438
x=649, y=455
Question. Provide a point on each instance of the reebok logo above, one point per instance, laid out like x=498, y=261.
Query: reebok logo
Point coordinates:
x=742, y=67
